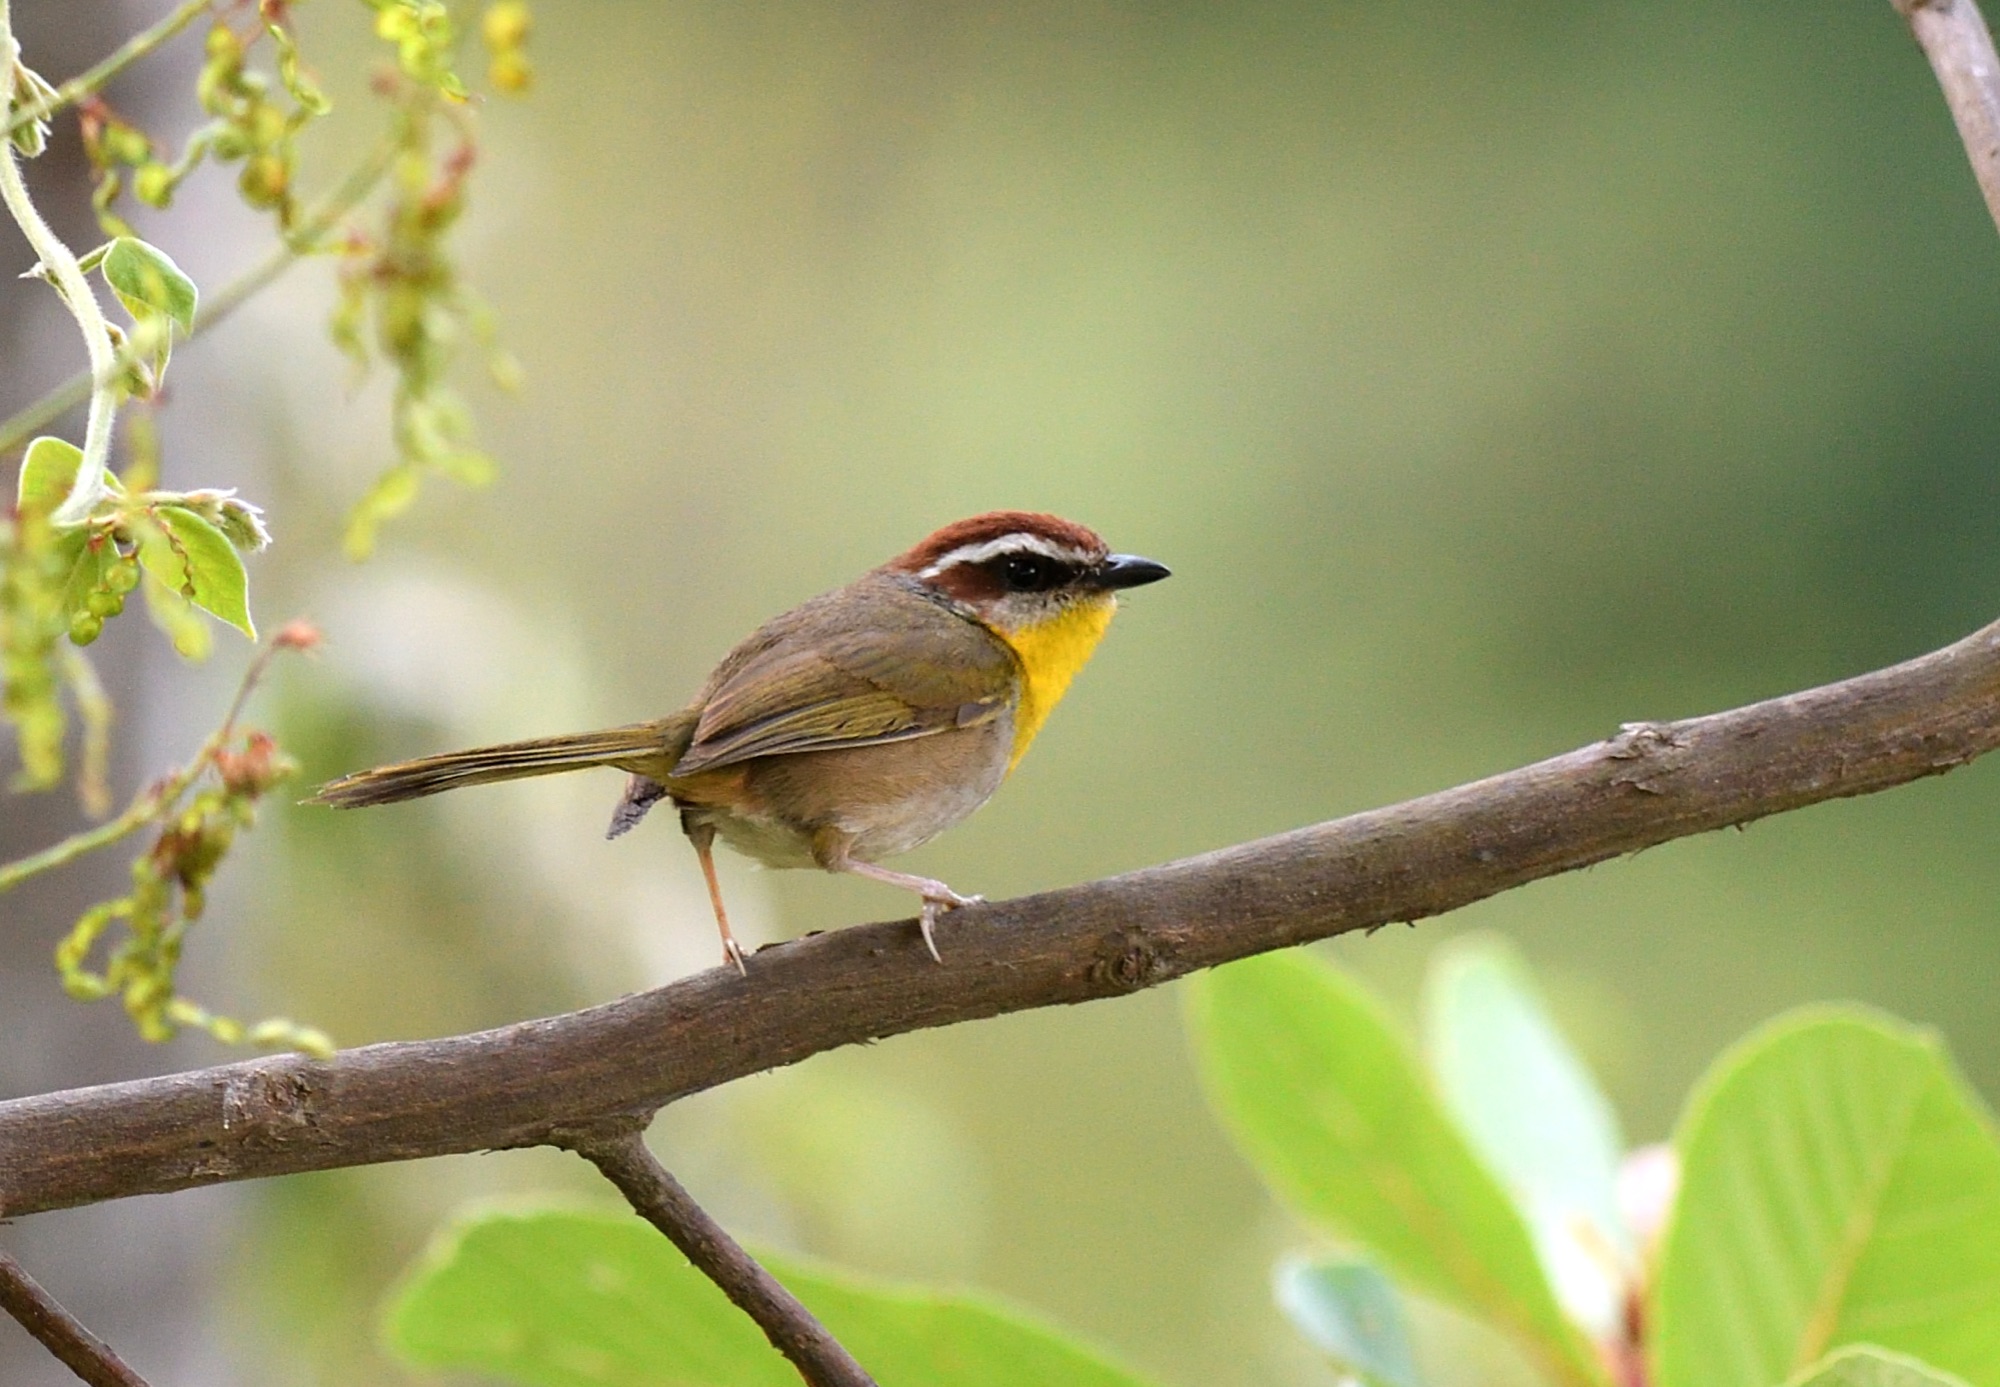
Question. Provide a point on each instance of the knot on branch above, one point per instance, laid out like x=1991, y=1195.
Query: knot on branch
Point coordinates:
x=1655, y=751
x=272, y=1104
x=1129, y=961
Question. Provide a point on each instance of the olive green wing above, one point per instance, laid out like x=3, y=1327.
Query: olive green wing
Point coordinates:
x=816, y=680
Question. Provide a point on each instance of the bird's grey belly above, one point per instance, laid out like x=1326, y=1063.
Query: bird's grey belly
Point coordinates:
x=886, y=798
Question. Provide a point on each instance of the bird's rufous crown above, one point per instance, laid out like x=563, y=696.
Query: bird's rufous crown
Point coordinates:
x=985, y=535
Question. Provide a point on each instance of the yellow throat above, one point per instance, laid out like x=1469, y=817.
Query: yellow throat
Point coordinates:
x=1051, y=652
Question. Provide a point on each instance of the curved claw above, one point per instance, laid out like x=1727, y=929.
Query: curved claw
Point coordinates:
x=832, y=855
x=933, y=906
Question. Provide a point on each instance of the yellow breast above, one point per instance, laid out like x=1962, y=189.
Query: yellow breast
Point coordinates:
x=1051, y=652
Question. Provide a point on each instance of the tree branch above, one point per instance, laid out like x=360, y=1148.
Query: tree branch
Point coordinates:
x=58, y=1331
x=1954, y=37
x=526, y=1084
x=662, y=1202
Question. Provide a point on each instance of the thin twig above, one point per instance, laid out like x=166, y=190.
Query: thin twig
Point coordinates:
x=1955, y=38
x=527, y=1084
x=60, y=1332
x=94, y=79
x=148, y=804
x=360, y=181
x=661, y=1201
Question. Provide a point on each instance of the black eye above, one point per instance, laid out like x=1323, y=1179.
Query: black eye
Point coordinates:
x=1032, y=573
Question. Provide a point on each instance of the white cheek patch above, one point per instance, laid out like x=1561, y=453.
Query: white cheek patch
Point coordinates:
x=1020, y=542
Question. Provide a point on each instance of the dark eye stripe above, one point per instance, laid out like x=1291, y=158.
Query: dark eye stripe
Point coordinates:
x=1026, y=571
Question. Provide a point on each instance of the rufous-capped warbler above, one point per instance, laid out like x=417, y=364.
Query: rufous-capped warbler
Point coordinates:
x=855, y=726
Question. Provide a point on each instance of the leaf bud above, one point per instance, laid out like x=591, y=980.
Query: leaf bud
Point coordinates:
x=264, y=181
x=511, y=72
x=123, y=576
x=125, y=144
x=153, y=184
x=223, y=45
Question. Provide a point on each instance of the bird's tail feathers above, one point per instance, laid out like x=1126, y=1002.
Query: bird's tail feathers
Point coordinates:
x=653, y=744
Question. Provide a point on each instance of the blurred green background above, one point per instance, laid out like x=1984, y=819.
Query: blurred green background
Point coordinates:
x=1489, y=376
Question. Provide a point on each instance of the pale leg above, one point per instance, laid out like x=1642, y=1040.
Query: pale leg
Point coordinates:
x=703, y=837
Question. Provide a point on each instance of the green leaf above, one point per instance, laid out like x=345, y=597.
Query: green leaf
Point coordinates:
x=193, y=558
x=1349, y=1311
x=48, y=471
x=190, y=633
x=1840, y=1184
x=1864, y=1365
x=1330, y=1105
x=147, y=280
x=556, y=1298
x=1534, y=1113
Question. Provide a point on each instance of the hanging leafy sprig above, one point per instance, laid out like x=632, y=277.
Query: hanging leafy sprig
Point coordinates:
x=249, y=124
x=169, y=892
x=196, y=813
x=403, y=301
x=81, y=540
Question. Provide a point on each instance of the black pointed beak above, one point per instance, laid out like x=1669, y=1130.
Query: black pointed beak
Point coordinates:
x=1128, y=571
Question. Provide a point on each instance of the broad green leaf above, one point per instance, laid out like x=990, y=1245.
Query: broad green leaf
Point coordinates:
x=49, y=476
x=147, y=280
x=1349, y=1311
x=1331, y=1106
x=48, y=470
x=193, y=558
x=1864, y=1365
x=1839, y=1185
x=1534, y=1113
x=557, y=1298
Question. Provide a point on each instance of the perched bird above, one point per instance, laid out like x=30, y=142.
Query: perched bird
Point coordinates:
x=853, y=727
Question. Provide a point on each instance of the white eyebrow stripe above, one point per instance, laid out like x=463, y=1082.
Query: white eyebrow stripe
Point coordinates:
x=1020, y=542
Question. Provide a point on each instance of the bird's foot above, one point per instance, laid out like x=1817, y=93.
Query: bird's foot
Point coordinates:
x=939, y=898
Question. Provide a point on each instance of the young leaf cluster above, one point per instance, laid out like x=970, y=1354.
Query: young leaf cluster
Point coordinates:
x=31, y=93
x=402, y=300
x=169, y=891
x=81, y=540
x=184, y=548
x=247, y=125
x=1837, y=1220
